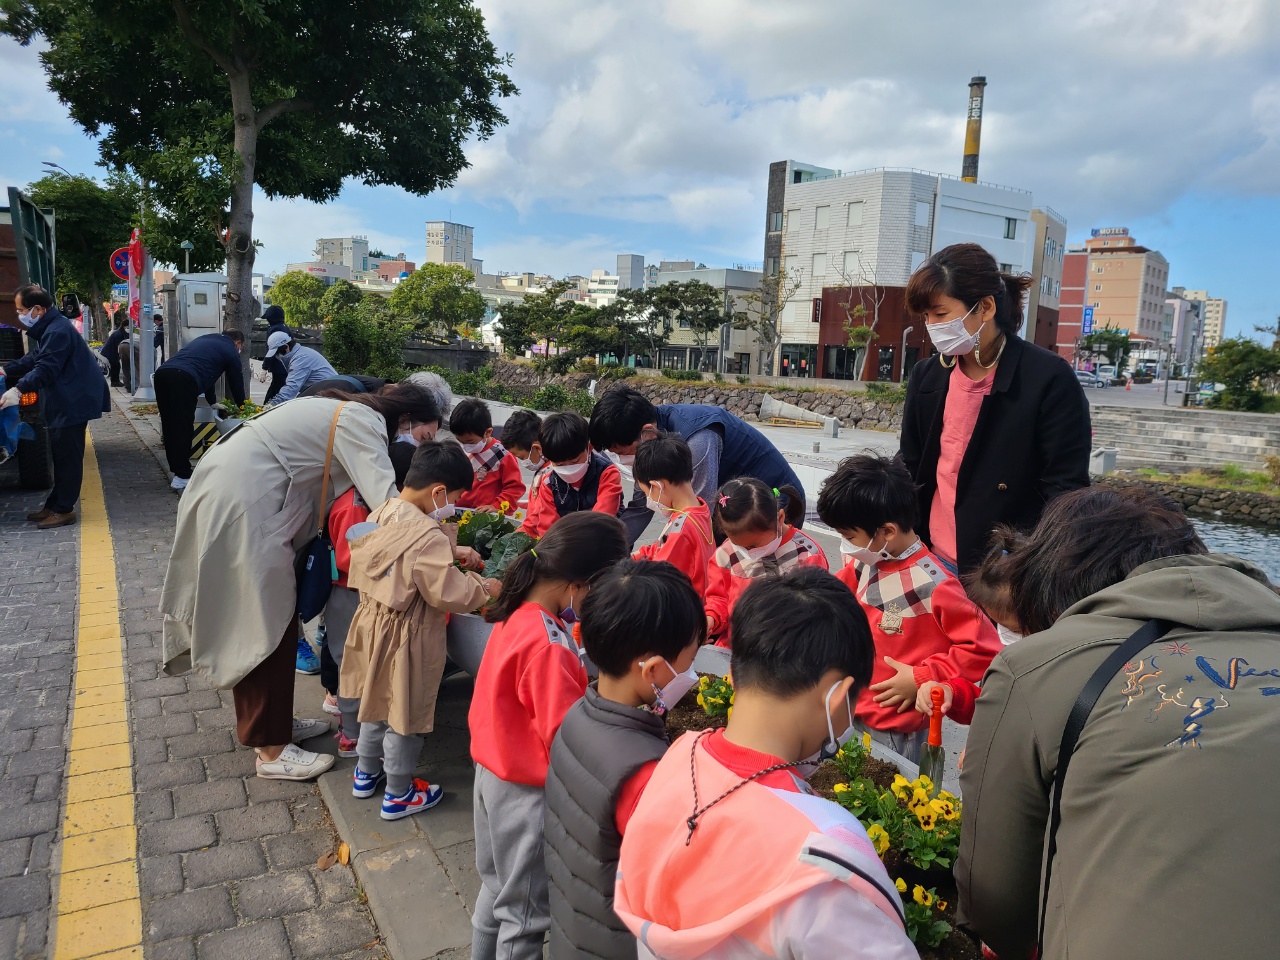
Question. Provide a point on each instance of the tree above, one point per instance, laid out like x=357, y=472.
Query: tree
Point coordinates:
x=762, y=313
x=1110, y=343
x=863, y=286
x=1273, y=332
x=299, y=294
x=227, y=95
x=695, y=306
x=438, y=299
x=1243, y=366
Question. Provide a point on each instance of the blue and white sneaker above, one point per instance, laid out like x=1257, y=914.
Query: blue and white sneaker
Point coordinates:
x=420, y=796
x=308, y=662
x=365, y=785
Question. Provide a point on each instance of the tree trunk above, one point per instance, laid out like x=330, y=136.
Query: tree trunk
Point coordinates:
x=99, y=331
x=240, y=249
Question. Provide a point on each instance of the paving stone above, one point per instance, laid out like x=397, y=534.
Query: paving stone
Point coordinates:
x=235, y=764
x=260, y=789
x=176, y=836
x=37, y=761
x=192, y=701
x=166, y=725
x=16, y=791
x=189, y=914
x=14, y=855
x=460, y=864
x=309, y=813
x=212, y=743
x=255, y=821
x=183, y=949
x=165, y=686
x=145, y=709
x=161, y=876
x=266, y=939
x=336, y=885
x=335, y=930
x=298, y=849
x=277, y=895
x=225, y=862
x=20, y=896
x=171, y=773
x=208, y=797
x=150, y=751
x=29, y=820
x=152, y=806
x=52, y=737
x=48, y=787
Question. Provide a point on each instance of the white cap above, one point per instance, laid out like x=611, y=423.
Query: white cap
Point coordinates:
x=276, y=341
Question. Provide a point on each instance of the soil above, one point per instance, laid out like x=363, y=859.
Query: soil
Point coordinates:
x=686, y=716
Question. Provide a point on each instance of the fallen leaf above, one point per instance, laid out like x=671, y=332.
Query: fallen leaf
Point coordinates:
x=344, y=854
x=326, y=860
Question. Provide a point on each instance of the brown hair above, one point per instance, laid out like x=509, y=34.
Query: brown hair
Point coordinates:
x=988, y=585
x=748, y=505
x=968, y=273
x=394, y=401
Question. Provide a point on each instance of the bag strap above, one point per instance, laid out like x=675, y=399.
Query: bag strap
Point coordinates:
x=1143, y=637
x=328, y=458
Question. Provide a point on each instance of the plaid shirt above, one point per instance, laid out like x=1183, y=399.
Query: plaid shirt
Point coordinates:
x=487, y=459
x=901, y=593
x=786, y=558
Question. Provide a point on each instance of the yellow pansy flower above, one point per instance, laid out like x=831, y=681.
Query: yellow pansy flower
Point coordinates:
x=928, y=819
x=504, y=506
x=946, y=809
x=922, y=896
x=840, y=788
x=919, y=800
x=946, y=795
x=466, y=518
x=901, y=787
x=942, y=905
x=901, y=885
x=702, y=701
x=866, y=741
x=729, y=715
x=704, y=682
x=924, y=783
x=879, y=838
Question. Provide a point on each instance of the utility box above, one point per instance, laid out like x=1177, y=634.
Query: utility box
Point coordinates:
x=1102, y=461
x=200, y=301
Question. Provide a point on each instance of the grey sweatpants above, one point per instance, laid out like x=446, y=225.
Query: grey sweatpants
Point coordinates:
x=512, y=915
x=381, y=747
x=905, y=744
x=338, y=614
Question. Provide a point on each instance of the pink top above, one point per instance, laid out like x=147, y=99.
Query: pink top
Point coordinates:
x=964, y=400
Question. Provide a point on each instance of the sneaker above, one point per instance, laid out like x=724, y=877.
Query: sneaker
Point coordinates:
x=306, y=729
x=330, y=704
x=420, y=796
x=308, y=662
x=178, y=483
x=346, y=746
x=294, y=763
x=365, y=785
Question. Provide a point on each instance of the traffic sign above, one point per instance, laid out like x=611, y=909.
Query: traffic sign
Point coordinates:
x=1086, y=326
x=120, y=263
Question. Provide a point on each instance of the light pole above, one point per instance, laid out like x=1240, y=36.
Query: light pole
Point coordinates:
x=903, y=375
x=187, y=247
x=50, y=163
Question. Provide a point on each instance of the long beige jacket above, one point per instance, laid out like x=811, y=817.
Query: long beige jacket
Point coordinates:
x=1170, y=841
x=248, y=511
x=394, y=656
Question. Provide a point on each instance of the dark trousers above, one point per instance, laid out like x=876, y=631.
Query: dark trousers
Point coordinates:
x=177, y=394
x=275, y=367
x=67, y=446
x=113, y=361
x=126, y=368
x=264, y=698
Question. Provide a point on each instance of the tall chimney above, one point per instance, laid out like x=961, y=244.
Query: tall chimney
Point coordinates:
x=973, y=131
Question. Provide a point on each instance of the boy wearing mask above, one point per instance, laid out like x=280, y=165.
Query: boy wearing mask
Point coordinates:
x=663, y=471
x=498, y=485
x=579, y=478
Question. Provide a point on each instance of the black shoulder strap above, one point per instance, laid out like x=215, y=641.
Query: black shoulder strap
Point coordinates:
x=1146, y=635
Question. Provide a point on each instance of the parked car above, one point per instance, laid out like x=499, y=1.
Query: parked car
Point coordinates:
x=1088, y=379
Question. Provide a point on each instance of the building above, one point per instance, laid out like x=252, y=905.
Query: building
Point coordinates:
x=1214, y=314
x=730, y=350
x=1184, y=322
x=1071, y=302
x=452, y=243
x=871, y=229
x=328, y=272
x=630, y=271
x=602, y=288
x=351, y=252
x=1126, y=285
x=1050, y=245
x=390, y=268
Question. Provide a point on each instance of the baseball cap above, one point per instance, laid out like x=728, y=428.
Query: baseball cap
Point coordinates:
x=276, y=341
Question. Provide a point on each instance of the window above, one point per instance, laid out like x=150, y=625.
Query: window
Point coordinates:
x=821, y=218
x=819, y=263
x=775, y=222
x=770, y=266
x=1057, y=288
x=1097, y=268
x=852, y=264
x=855, y=214
x=923, y=209
x=1006, y=268
x=793, y=221
x=1010, y=228
x=1097, y=287
x=202, y=299
x=791, y=264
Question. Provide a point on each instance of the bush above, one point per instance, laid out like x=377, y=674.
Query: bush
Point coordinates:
x=551, y=397
x=1273, y=468
x=681, y=374
x=743, y=378
x=886, y=392
x=580, y=402
x=587, y=365
x=617, y=372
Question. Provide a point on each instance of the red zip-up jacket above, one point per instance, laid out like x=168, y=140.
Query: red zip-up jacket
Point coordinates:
x=920, y=616
x=542, y=502
x=493, y=488
x=725, y=584
x=686, y=543
x=531, y=674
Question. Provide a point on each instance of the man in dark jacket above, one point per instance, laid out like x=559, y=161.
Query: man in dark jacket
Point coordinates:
x=111, y=350
x=62, y=370
x=192, y=371
x=273, y=364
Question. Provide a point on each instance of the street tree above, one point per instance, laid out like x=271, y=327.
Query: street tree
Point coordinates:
x=228, y=95
x=861, y=298
x=1110, y=343
x=538, y=317
x=1273, y=332
x=635, y=310
x=340, y=295
x=762, y=313
x=438, y=300
x=1245, y=367
x=695, y=306
x=299, y=294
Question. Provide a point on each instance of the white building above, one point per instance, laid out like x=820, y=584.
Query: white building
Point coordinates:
x=452, y=243
x=1214, y=314
x=729, y=350
x=351, y=252
x=602, y=288
x=328, y=272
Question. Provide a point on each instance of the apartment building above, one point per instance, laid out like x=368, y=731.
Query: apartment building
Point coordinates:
x=730, y=350
x=1214, y=314
x=1126, y=285
x=449, y=242
x=630, y=271
x=1043, y=300
x=1071, y=301
x=351, y=252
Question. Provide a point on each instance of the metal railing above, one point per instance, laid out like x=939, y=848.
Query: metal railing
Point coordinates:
x=928, y=173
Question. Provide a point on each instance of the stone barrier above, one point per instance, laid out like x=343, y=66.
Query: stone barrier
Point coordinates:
x=1236, y=505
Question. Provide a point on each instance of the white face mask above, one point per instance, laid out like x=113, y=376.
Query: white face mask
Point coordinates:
x=865, y=554
x=1007, y=636
x=952, y=338
x=669, y=695
x=756, y=554
x=27, y=319
x=832, y=745
x=407, y=438
x=442, y=513
x=572, y=472
x=470, y=448
x=624, y=459
x=655, y=505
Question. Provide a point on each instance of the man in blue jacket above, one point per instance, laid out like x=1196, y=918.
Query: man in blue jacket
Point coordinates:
x=62, y=370
x=179, y=382
x=724, y=447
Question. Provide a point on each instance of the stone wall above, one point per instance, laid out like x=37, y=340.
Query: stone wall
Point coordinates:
x=1172, y=439
x=1237, y=505
x=852, y=409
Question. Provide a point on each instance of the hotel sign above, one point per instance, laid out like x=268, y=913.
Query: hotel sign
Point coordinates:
x=1110, y=232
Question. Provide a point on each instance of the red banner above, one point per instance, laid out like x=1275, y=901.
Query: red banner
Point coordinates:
x=135, y=273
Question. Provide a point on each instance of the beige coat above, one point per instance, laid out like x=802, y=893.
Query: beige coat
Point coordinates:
x=394, y=656
x=248, y=511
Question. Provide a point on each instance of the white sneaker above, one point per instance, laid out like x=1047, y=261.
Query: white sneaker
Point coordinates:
x=177, y=483
x=306, y=729
x=294, y=763
x=330, y=705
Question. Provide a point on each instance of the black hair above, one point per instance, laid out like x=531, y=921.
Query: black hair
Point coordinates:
x=564, y=437
x=394, y=401
x=1088, y=540
x=234, y=335
x=665, y=457
x=576, y=548
x=401, y=452
x=71, y=307
x=988, y=585
x=439, y=462
x=639, y=607
x=788, y=631
x=866, y=492
x=748, y=505
x=619, y=416
x=968, y=273
x=34, y=295
x=470, y=416
x=523, y=429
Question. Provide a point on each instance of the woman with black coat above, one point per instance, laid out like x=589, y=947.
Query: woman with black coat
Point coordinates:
x=994, y=427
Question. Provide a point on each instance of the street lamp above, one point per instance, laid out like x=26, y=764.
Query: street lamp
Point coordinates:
x=187, y=247
x=50, y=163
x=903, y=375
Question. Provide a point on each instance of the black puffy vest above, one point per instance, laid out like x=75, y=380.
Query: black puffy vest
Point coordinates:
x=600, y=745
x=570, y=500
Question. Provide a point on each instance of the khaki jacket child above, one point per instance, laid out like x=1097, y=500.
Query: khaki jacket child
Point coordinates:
x=395, y=651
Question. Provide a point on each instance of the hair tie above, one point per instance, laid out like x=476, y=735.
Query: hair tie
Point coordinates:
x=533, y=553
x=724, y=499
x=776, y=493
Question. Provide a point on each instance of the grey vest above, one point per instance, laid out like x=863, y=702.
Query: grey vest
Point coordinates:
x=601, y=744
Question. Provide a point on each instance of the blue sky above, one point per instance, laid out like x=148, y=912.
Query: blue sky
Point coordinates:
x=649, y=128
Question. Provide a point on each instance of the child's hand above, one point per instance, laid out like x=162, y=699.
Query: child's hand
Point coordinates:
x=899, y=690
x=486, y=509
x=924, y=702
x=711, y=626
x=469, y=559
x=493, y=586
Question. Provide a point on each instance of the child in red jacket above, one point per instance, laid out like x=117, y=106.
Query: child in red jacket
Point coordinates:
x=761, y=541
x=532, y=672
x=925, y=626
x=579, y=478
x=498, y=485
x=522, y=436
x=663, y=470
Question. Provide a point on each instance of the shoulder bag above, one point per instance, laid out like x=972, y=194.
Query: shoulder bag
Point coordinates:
x=315, y=567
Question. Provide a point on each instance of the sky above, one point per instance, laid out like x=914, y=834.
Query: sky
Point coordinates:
x=649, y=128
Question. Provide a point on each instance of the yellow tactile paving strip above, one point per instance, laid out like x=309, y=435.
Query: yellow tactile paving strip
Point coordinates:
x=99, y=913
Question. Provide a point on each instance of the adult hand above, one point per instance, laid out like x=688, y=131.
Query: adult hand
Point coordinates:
x=899, y=690
x=493, y=586
x=924, y=702
x=469, y=559
x=11, y=398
